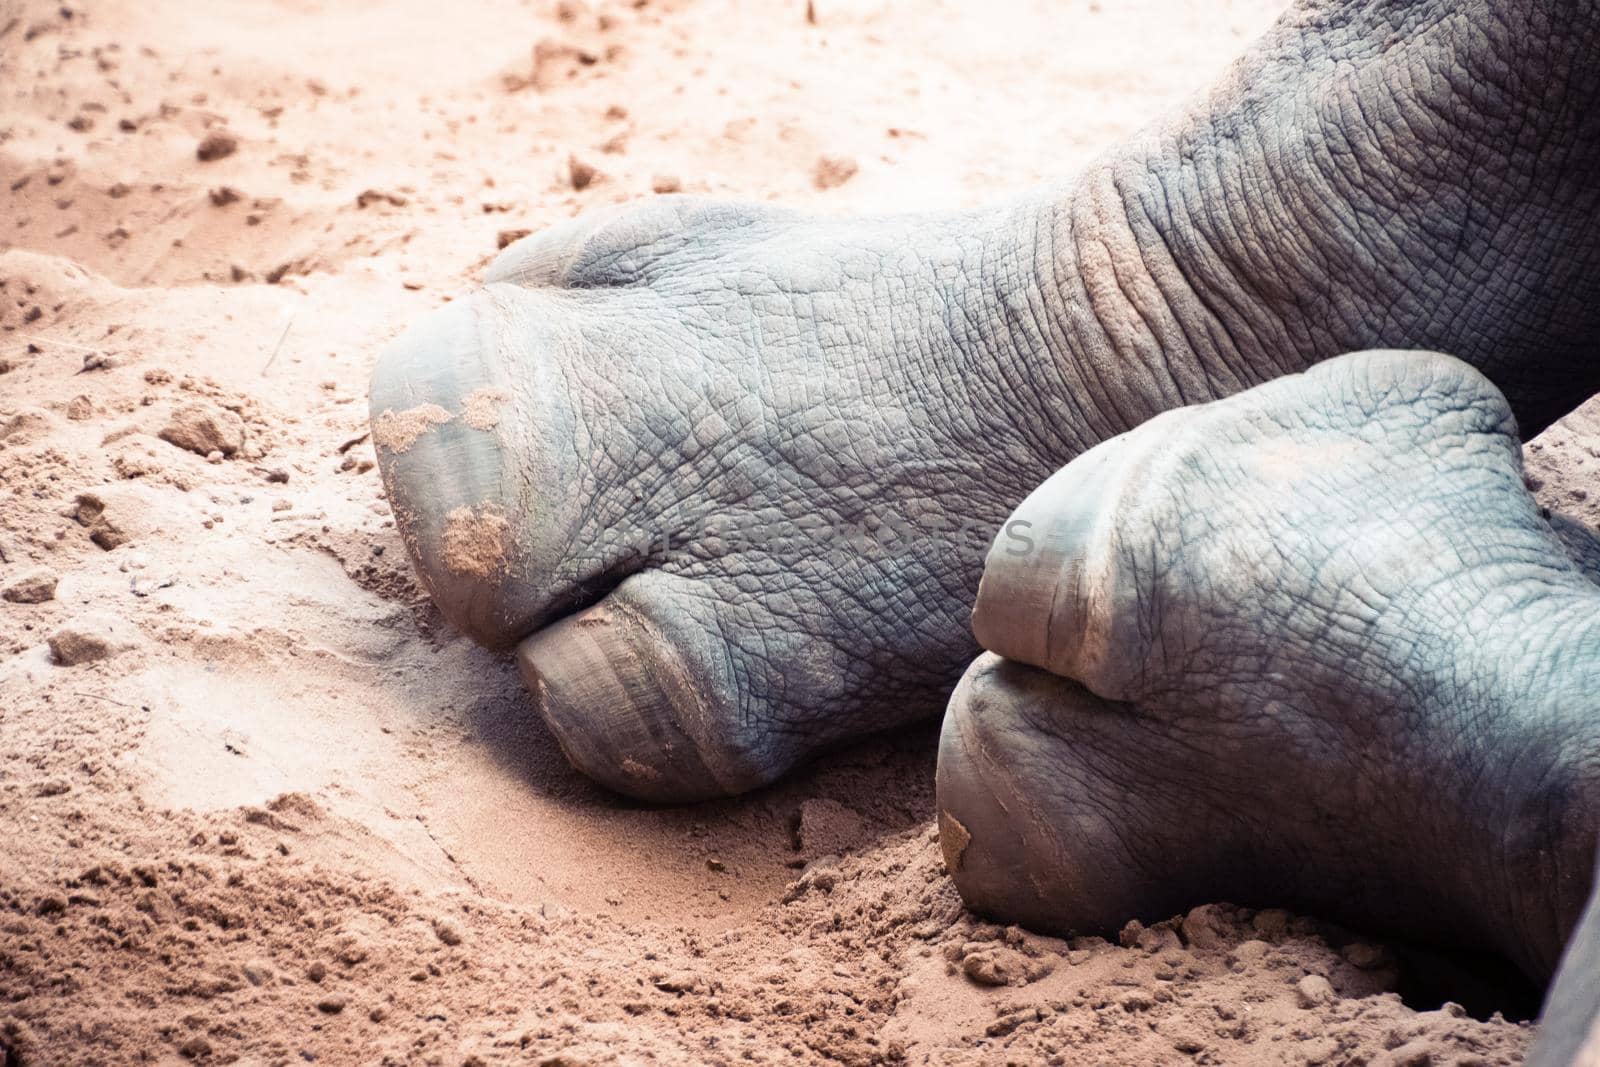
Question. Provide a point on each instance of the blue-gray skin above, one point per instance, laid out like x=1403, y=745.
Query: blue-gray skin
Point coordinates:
x=1314, y=644
x=643, y=452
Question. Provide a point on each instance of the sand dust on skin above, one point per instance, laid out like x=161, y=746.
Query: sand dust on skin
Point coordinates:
x=474, y=541
x=397, y=431
x=294, y=818
x=480, y=408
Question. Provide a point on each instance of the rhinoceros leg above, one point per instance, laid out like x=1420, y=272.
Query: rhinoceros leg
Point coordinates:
x=709, y=466
x=1314, y=644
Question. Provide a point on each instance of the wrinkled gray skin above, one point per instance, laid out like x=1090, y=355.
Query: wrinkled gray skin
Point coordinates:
x=1313, y=644
x=703, y=399
x=640, y=452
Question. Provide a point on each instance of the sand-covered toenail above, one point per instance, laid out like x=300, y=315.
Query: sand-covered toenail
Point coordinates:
x=1011, y=850
x=635, y=708
x=448, y=437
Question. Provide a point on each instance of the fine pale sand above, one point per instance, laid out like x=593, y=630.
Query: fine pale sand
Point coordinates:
x=257, y=804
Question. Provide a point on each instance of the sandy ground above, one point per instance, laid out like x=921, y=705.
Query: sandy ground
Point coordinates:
x=275, y=812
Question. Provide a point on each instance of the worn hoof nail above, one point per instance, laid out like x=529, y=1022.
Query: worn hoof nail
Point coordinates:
x=981, y=815
x=1036, y=571
x=1022, y=840
x=473, y=443
x=1049, y=595
x=628, y=709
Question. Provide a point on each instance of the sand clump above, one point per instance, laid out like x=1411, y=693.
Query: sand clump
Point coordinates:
x=204, y=429
x=218, y=144
x=833, y=171
x=113, y=515
x=91, y=637
x=32, y=587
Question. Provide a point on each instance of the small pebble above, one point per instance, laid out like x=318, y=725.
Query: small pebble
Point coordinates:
x=203, y=429
x=581, y=174
x=1365, y=956
x=447, y=931
x=218, y=144
x=833, y=171
x=1251, y=951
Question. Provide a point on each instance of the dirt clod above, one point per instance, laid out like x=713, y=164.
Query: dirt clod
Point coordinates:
x=218, y=144
x=447, y=931
x=204, y=429
x=1313, y=991
x=507, y=238
x=90, y=637
x=833, y=171
x=33, y=587
x=579, y=173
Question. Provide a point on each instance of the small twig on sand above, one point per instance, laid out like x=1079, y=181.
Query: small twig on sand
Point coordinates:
x=63, y=344
x=108, y=700
x=348, y=445
x=281, y=338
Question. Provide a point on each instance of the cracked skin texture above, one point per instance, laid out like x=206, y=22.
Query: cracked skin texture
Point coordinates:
x=705, y=393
